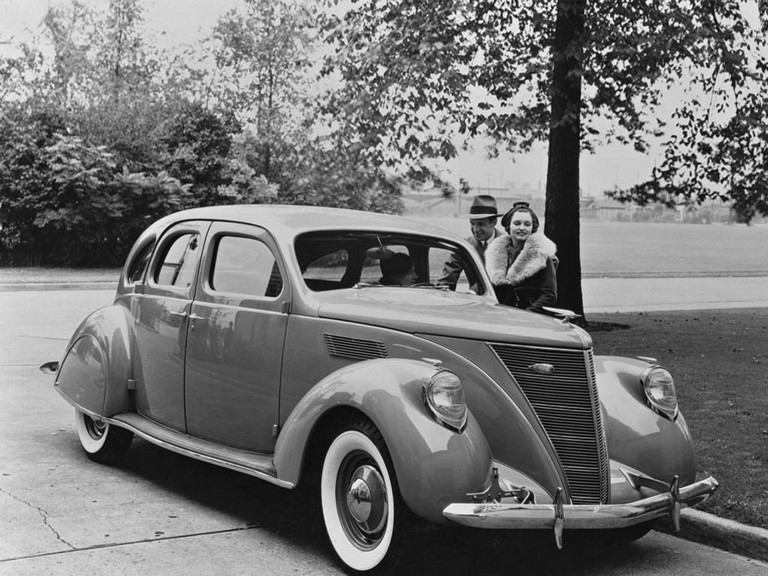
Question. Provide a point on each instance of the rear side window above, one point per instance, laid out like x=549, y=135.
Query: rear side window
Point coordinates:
x=177, y=267
x=139, y=264
x=245, y=266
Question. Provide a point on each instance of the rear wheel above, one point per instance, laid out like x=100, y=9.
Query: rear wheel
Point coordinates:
x=359, y=495
x=102, y=442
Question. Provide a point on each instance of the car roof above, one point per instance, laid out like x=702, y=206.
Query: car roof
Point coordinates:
x=290, y=220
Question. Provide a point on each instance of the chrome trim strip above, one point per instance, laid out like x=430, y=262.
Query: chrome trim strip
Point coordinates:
x=218, y=461
x=542, y=516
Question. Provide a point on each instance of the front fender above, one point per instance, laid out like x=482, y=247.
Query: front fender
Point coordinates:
x=636, y=435
x=96, y=371
x=434, y=465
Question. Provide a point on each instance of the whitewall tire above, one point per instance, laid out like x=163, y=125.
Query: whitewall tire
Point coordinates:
x=102, y=442
x=359, y=496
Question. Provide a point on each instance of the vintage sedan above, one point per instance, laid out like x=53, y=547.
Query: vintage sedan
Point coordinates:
x=260, y=338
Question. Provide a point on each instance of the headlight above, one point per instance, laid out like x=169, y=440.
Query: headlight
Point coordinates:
x=659, y=387
x=444, y=398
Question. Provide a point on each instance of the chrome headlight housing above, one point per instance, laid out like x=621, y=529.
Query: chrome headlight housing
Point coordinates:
x=443, y=396
x=659, y=388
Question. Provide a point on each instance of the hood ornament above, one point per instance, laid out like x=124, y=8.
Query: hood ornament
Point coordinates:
x=545, y=369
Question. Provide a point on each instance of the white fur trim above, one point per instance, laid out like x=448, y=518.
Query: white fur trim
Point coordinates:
x=531, y=259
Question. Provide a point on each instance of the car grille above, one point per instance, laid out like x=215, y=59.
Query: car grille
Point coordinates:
x=354, y=348
x=568, y=407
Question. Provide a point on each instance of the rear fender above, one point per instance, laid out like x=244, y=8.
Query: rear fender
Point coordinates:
x=96, y=372
x=434, y=465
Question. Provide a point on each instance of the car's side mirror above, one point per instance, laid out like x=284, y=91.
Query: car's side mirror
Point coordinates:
x=50, y=367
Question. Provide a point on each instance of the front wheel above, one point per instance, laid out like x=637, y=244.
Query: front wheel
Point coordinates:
x=102, y=443
x=359, y=496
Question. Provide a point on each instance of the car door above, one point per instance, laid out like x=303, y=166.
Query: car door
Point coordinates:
x=161, y=323
x=235, y=343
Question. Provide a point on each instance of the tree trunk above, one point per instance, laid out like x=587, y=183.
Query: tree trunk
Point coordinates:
x=562, y=203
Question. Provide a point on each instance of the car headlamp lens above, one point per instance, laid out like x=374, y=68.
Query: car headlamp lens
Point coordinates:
x=444, y=396
x=659, y=389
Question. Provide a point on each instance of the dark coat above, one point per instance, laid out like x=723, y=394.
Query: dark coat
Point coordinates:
x=526, y=279
x=452, y=268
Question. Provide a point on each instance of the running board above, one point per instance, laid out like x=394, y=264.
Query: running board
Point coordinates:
x=258, y=465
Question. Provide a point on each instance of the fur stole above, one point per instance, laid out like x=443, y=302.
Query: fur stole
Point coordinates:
x=531, y=259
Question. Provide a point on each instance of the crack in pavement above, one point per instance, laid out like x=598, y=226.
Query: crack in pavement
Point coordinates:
x=43, y=514
x=129, y=543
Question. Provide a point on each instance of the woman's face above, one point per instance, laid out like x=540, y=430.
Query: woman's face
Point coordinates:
x=521, y=226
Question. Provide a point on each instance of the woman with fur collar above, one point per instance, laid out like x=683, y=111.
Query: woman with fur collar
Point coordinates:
x=521, y=264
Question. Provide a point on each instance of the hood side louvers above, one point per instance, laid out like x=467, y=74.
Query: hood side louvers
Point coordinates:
x=354, y=348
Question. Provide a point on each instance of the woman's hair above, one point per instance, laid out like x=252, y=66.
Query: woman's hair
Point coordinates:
x=519, y=207
x=395, y=266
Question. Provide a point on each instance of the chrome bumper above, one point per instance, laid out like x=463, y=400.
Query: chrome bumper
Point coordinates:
x=557, y=516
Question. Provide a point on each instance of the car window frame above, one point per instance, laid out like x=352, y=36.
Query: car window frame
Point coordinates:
x=199, y=227
x=205, y=293
x=417, y=245
x=146, y=249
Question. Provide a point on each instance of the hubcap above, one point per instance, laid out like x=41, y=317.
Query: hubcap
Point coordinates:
x=95, y=429
x=367, y=499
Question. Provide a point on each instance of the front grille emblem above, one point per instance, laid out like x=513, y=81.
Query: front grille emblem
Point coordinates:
x=545, y=369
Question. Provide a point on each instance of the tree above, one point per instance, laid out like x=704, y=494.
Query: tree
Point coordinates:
x=420, y=73
x=262, y=59
x=265, y=74
x=65, y=202
x=95, y=142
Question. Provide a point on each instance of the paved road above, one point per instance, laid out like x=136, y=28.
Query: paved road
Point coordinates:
x=163, y=514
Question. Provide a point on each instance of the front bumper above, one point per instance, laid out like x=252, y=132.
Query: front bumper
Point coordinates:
x=558, y=516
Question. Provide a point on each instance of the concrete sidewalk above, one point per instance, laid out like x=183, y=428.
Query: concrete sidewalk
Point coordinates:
x=662, y=294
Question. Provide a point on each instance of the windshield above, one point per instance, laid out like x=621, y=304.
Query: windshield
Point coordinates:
x=347, y=259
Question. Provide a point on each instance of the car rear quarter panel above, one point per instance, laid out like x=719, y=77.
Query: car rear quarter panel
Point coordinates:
x=95, y=372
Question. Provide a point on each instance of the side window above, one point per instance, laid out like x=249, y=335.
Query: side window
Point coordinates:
x=139, y=264
x=245, y=266
x=177, y=267
x=329, y=267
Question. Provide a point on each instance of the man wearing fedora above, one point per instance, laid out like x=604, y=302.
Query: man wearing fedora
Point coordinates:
x=483, y=215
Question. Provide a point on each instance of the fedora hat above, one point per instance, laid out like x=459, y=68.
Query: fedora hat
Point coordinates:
x=483, y=206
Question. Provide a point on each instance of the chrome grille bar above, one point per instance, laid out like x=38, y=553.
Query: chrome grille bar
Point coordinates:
x=568, y=408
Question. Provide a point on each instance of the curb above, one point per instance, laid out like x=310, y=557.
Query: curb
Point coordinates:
x=705, y=528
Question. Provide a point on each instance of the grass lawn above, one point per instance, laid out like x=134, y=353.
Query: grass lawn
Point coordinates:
x=645, y=249
x=719, y=359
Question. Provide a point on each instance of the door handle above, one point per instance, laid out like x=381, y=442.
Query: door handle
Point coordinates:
x=195, y=317
x=181, y=314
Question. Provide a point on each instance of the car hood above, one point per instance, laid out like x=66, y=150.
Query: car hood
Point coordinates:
x=443, y=313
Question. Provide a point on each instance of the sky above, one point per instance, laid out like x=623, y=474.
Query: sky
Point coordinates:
x=175, y=22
